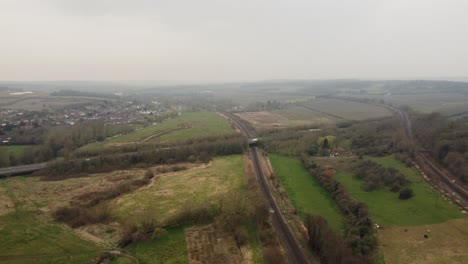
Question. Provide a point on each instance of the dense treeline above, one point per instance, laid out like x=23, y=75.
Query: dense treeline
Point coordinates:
x=290, y=142
x=358, y=225
x=376, y=176
x=377, y=138
x=327, y=245
x=264, y=106
x=191, y=153
x=446, y=141
x=129, y=148
x=61, y=141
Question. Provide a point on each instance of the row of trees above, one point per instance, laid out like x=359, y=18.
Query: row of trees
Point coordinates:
x=61, y=141
x=358, y=225
x=191, y=153
x=328, y=245
x=58, y=141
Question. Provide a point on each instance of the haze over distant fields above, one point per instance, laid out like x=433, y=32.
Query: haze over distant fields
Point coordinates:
x=225, y=40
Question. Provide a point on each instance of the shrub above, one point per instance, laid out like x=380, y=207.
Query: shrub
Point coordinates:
x=76, y=216
x=149, y=174
x=408, y=162
x=241, y=236
x=405, y=194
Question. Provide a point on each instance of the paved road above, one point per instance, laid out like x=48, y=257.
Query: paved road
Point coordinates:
x=22, y=169
x=286, y=236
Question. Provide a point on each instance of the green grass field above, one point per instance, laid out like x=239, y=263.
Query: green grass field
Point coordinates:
x=30, y=240
x=199, y=124
x=304, y=190
x=427, y=206
x=255, y=245
x=171, y=249
x=26, y=234
x=16, y=150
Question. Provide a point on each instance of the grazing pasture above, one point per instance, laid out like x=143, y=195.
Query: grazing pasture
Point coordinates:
x=304, y=190
x=446, y=243
x=427, y=206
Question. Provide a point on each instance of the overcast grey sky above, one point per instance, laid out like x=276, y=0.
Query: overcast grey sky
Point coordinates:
x=235, y=40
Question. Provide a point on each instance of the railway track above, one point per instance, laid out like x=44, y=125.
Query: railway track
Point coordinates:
x=285, y=234
x=457, y=193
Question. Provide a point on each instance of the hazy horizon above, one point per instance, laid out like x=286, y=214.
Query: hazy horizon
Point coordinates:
x=225, y=41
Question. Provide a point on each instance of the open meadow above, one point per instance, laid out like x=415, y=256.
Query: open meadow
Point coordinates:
x=347, y=110
x=405, y=222
x=27, y=232
x=447, y=242
x=304, y=190
x=427, y=206
x=27, y=205
x=10, y=153
x=315, y=112
x=186, y=126
x=290, y=116
x=448, y=103
x=170, y=248
x=175, y=192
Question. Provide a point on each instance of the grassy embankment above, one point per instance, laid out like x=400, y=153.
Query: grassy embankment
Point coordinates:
x=304, y=190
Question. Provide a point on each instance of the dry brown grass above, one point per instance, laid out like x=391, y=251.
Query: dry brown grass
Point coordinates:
x=205, y=244
x=6, y=205
x=173, y=192
x=290, y=116
x=447, y=243
x=264, y=120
